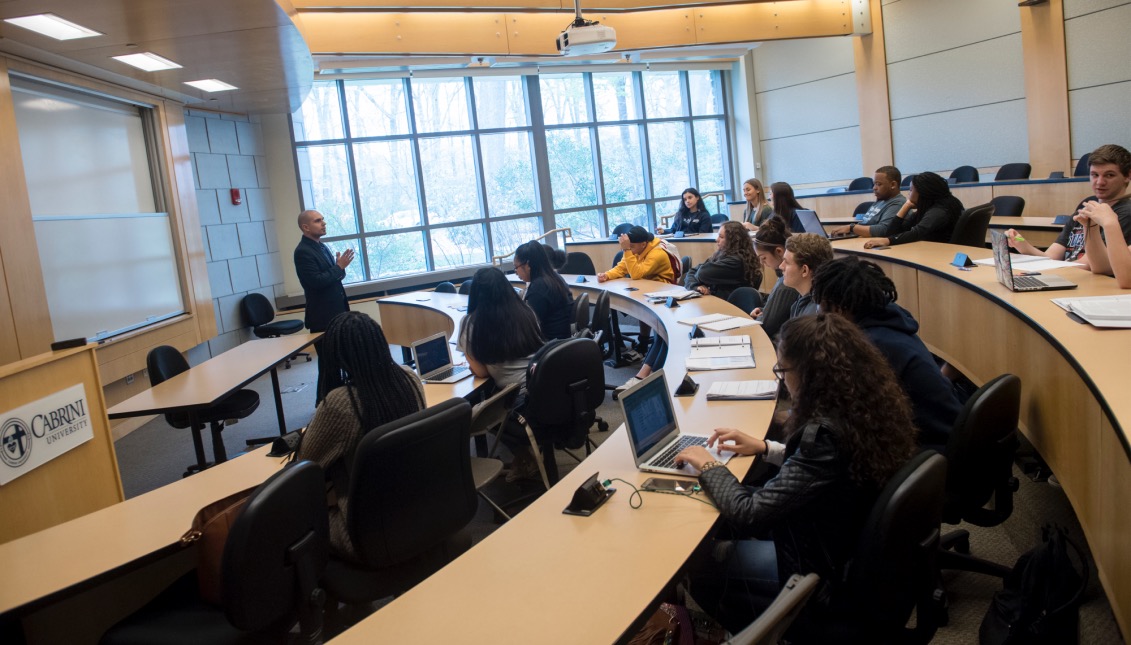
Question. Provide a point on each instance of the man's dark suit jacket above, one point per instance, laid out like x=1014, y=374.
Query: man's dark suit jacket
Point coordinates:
x=321, y=284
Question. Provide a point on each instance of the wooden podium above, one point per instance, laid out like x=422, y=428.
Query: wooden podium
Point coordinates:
x=80, y=481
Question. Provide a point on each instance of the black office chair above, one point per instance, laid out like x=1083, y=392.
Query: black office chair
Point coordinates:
x=260, y=315
x=601, y=323
x=745, y=298
x=980, y=454
x=964, y=174
x=411, y=494
x=972, y=226
x=1008, y=205
x=165, y=362
x=275, y=553
x=580, y=313
x=1013, y=171
x=906, y=181
x=894, y=569
x=719, y=218
x=685, y=265
x=772, y=624
x=565, y=384
x=465, y=287
x=620, y=229
x=445, y=287
x=618, y=336
x=578, y=263
x=862, y=208
x=1084, y=166
x=861, y=183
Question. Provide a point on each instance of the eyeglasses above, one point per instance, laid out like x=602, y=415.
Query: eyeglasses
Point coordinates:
x=518, y=266
x=778, y=370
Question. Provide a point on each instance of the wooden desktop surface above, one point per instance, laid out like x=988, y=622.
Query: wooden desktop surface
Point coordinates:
x=1075, y=409
x=546, y=577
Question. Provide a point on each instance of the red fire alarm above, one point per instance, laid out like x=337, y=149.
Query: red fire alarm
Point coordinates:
x=237, y=199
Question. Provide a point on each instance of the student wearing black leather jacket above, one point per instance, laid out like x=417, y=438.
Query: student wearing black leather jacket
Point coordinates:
x=845, y=437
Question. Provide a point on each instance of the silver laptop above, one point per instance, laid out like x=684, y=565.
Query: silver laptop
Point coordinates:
x=1003, y=265
x=652, y=429
x=810, y=223
x=433, y=359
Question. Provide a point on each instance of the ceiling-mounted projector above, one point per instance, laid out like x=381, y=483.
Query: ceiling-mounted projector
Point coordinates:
x=586, y=37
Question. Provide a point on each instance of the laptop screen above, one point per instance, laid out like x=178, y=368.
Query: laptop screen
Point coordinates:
x=432, y=354
x=810, y=223
x=648, y=414
x=1003, y=264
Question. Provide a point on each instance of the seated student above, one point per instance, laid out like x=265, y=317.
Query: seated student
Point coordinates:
x=692, y=216
x=498, y=337
x=845, y=437
x=935, y=214
x=880, y=220
x=786, y=205
x=859, y=290
x=804, y=255
x=1110, y=172
x=557, y=256
x=547, y=294
x=758, y=208
x=769, y=245
x=733, y=265
x=365, y=390
x=1113, y=255
x=643, y=258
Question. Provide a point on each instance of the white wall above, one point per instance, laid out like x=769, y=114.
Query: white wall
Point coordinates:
x=1097, y=37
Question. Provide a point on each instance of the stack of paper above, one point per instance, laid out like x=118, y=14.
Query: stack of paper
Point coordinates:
x=732, y=322
x=709, y=318
x=678, y=294
x=726, y=353
x=1100, y=311
x=742, y=390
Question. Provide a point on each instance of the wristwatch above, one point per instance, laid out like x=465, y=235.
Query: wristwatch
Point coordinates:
x=852, y=228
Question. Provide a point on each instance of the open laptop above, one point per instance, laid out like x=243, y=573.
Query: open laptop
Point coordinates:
x=433, y=359
x=1003, y=265
x=810, y=223
x=652, y=429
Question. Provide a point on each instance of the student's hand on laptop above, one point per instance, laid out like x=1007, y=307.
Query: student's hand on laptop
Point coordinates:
x=694, y=456
x=736, y=441
x=840, y=230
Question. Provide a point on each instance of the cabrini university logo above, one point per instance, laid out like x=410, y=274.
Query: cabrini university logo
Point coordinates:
x=15, y=442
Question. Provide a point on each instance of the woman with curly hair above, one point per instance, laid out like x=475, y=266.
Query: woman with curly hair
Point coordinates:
x=733, y=265
x=845, y=437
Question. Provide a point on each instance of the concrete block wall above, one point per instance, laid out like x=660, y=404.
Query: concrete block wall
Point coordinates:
x=239, y=240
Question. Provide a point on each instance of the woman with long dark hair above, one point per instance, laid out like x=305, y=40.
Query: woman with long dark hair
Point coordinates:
x=363, y=389
x=930, y=214
x=692, y=216
x=845, y=437
x=758, y=208
x=769, y=246
x=546, y=293
x=786, y=205
x=734, y=264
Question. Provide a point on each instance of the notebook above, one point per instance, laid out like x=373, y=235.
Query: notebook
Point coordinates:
x=433, y=359
x=653, y=432
x=1003, y=266
x=810, y=223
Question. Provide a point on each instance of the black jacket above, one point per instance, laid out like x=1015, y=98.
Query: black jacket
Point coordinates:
x=723, y=276
x=321, y=284
x=935, y=225
x=697, y=222
x=554, y=313
x=811, y=508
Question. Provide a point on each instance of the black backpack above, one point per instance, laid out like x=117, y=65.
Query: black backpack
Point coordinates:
x=1040, y=598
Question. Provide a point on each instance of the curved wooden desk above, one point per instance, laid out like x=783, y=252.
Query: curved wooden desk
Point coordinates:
x=546, y=577
x=1075, y=408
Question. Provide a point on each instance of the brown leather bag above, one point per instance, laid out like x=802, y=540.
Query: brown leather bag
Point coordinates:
x=210, y=533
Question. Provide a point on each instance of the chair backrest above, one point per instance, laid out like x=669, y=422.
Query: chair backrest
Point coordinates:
x=163, y=363
x=1013, y=171
x=445, y=287
x=861, y=183
x=685, y=265
x=277, y=548
x=1084, y=166
x=862, y=207
x=1008, y=205
x=906, y=181
x=465, y=287
x=256, y=309
x=980, y=453
x=565, y=383
x=964, y=174
x=578, y=263
x=621, y=229
x=894, y=569
x=581, y=312
x=772, y=624
x=600, y=322
x=719, y=218
x=617, y=258
x=745, y=298
x=491, y=413
x=972, y=226
x=411, y=486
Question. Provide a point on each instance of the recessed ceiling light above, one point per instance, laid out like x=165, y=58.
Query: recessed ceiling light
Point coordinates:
x=147, y=61
x=211, y=85
x=51, y=25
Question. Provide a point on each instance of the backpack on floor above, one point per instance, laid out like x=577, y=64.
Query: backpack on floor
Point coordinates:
x=1040, y=598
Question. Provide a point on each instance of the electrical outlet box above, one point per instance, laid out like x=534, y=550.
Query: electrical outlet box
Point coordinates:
x=129, y=379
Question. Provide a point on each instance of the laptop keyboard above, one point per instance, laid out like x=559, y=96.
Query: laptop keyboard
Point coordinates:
x=1027, y=282
x=666, y=459
x=451, y=371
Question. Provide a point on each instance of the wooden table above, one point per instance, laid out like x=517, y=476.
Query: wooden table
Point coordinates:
x=1075, y=408
x=603, y=571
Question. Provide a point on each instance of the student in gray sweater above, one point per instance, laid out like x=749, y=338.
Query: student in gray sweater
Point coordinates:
x=769, y=245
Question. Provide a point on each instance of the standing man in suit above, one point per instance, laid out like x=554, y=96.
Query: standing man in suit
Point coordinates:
x=321, y=273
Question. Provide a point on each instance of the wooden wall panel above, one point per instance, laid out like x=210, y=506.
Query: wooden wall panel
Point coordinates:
x=1046, y=87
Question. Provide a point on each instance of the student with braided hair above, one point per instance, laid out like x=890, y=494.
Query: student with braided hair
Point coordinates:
x=362, y=389
x=930, y=214
x=860, y=291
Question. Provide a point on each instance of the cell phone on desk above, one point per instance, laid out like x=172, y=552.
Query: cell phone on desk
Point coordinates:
x=631, y=289
x=665, y=485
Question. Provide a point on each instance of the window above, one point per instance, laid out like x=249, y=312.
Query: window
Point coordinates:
x=436, y=173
